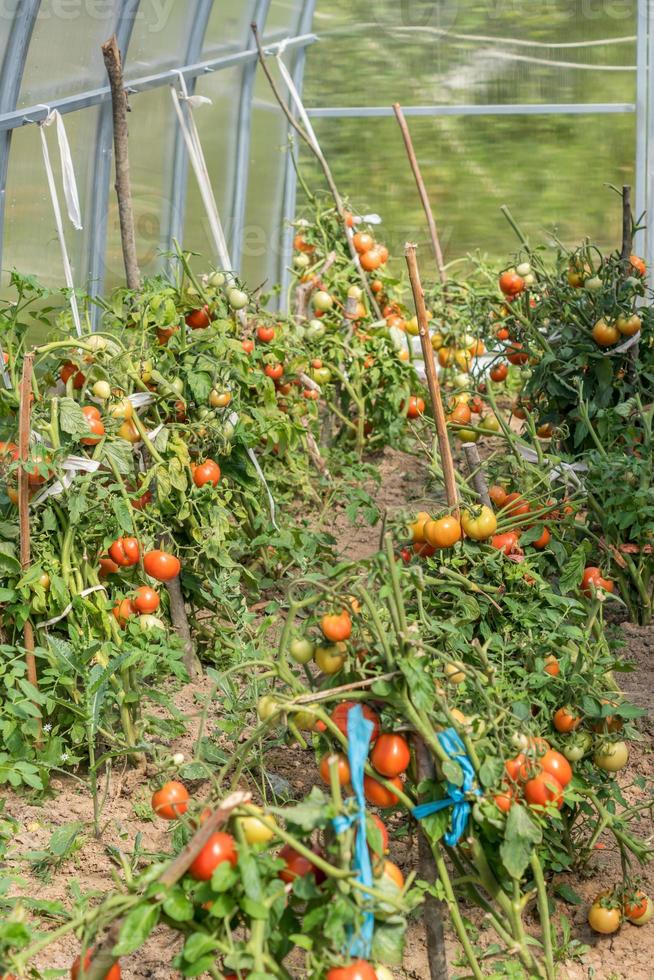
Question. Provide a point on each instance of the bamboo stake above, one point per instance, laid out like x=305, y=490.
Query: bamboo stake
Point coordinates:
x=24, y=428
x=114, y=67
x=476, y=472
x=329, y=177
x=432, y=379
x=422, y=191
x=103, y=958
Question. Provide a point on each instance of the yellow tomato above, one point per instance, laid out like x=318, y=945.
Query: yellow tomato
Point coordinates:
x=129, y=431
x=122, y=409
x=330, y=659
x=254, y=830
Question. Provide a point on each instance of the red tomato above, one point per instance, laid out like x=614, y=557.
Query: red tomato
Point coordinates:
x=362, y=241
x=543, y=540
x=378, y=795
x=504, y=800
x=391, y=755
x=98, y=430
x=556, y=765
x=358, y=970
x=207, y=472
x=171, y=801
x=516, y=505
x=416, y=407
x=511, y=283
x=513, y=767
x=199, y=319
x=247, y=345
x=543, y=789
x=508, y=543
x=341, y=712
x=297, y=865
x=91, y=412
x=146, y=600
x=517, y=355
x=337, y=626
x=637, y=265
x=564, y=721
x=265, y=334
x=274, y=371
x=112, y=974
x=343, y=769
x=125, y=552
x=161, y=565
x=219, y=848
x=592, y=580
x=393, y=873
x=499, y=372
x=107, y=566
x=70, y=370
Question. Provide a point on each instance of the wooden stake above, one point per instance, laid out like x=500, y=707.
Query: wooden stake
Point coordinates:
x=476, y=472
x=114, y=67
x=180, y=619
x=103, y=958
x=627, y=223
x=432, y=379
x=422, y=191
x=24, y=429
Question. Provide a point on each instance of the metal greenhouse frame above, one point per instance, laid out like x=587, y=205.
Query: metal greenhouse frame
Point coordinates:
x=192, y=66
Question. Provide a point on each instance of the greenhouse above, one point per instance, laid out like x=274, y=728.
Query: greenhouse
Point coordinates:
x=326, y=500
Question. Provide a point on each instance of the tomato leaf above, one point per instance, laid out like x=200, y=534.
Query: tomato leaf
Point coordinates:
x=71, y=418
x=310, y=813
x=388, y=943
x=224, y=877
x=247, y=866
x=419, y=683
x=256, y=910
x=573, y=570
x=491, y=771
x=178, y=907
x=520, y=835
x=136, y=928
x=197, y=945
x=568, y=894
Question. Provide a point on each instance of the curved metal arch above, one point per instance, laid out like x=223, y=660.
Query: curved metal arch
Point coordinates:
x=11, y=77
x=244, y=136
x=97, y=216
x=174, y=229
x=305, y=21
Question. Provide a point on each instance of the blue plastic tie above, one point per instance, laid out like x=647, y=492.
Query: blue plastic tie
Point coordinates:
x=456, y=796
x=359, y=734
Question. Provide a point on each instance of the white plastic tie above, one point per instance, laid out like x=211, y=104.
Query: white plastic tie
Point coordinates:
x=260, y=474
x=70, y=187
x=625, y=345
x=198, y=162
x=81, y=595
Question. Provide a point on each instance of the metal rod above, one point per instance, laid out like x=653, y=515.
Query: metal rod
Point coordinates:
x=422, y=191
x=95, y=96
x=642, y=100
x=649, y=191
x=518, y=109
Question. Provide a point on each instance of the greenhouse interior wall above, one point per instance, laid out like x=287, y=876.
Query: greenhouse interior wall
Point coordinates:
x=540, y=107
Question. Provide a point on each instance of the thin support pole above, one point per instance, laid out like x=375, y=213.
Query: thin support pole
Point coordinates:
x=476, y=472
x=422, y=191
x=432, y=378
x=24, y=429
x=112, y=60
x=433, y=914
x=627, y=223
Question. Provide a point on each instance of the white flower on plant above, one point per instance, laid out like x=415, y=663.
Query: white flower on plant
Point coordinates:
x=47, y=728
x=64, y=757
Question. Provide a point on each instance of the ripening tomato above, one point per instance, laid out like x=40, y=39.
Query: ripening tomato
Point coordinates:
x=637, y=264
x=171, y=801
x=511, y=283
x=479, y=524
x=544, y=789
x=555, y=764
x=265, y=335
x=342, y=768
x=460, y=415
x=112, y=974
x=605, y=915
x=123, y=610
x=207, y=472
x=497, y=495
x=298, y=866
x=415, y=407
x=443, y=533
x=418, y=527
x=516, y=505
x=330, y=659
x=107, y=566
x=564, y=721
x=129, y=432
x=301, y=650
x=161, y=565
x=70, y=370
x=165, y=333
x=219, y=848
x=248, y=343
x=341, y=713
x=91, y=412
x=390, y=755
x=628, y=325
x=125, y=552
x=255, y=830
x=552, y=666
x=517, y=354
x=198, y=319
x=605, y=334
x=97, y=429
x=638, y=908
x=372, y=259
x=543, y=540
x=593, y=581
x=336, y=627
x=378, y=795
x=499, y=372
x=362, y=241
x=301, y=245
x=146, y=600
x=357, y=970
x=392, y=873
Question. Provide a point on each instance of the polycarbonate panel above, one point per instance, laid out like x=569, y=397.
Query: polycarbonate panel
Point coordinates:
x=283, y=15
x=149, y=157
x=159, y=36
x=54, y=66
x=228, y=25
x=30, y=238
x=550, y=170
x=216, y=125
x=464, y=51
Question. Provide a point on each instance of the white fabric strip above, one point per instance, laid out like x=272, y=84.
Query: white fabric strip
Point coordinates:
x=56, y=619
x=198, y=162
x=68, y=274
x=233, y=420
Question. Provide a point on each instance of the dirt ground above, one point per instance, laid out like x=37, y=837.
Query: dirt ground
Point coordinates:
x=628, y=955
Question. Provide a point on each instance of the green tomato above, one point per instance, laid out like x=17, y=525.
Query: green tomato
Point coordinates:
x=593, y=285
x=577, y=747
x=102, y=389
x=177, y=385
x=216, y=279
x=148, y=623
x=315, y=330
x=301, y=650
x=301, y=261
x=96, y=341
x=322, y=376
x=611, y=756
x=267, y=707
x=489, y=423
x=237, y=299
x=322, y=301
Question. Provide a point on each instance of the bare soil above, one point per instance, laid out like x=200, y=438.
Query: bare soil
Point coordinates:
x=628, y=955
